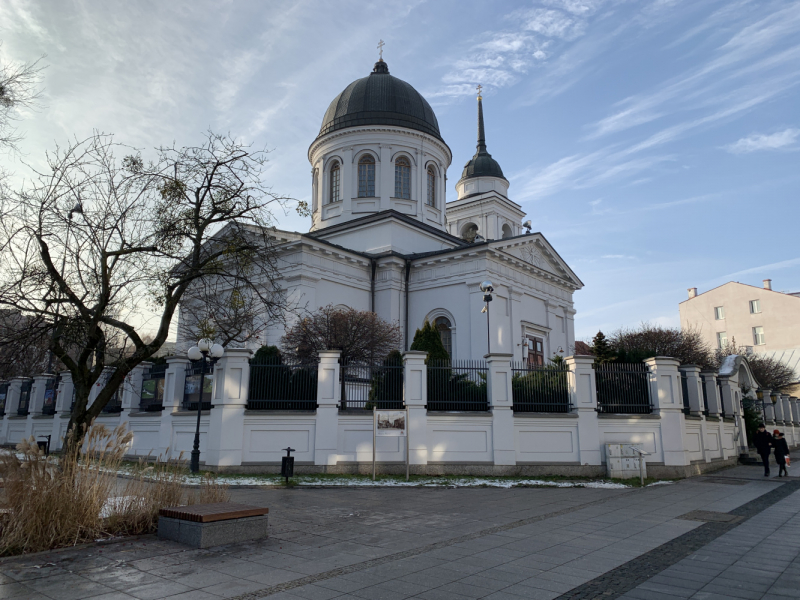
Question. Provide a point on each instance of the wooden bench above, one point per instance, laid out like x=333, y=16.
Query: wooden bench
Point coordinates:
x=206, y=525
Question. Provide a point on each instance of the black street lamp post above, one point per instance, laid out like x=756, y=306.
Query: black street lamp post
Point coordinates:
x=202, y=351
x=487, y=288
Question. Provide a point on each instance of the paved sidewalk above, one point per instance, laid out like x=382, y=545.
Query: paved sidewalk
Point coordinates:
x=449, y=544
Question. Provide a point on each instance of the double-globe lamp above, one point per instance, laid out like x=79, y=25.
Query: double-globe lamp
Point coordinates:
x=205, y=348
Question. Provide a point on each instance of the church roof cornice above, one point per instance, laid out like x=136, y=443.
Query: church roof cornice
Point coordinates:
x=436, y=142
x=382, y=216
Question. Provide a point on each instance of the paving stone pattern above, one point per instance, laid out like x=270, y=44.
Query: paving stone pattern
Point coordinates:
x=390, y=544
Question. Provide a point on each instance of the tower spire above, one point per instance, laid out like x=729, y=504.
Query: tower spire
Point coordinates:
x=481, y=134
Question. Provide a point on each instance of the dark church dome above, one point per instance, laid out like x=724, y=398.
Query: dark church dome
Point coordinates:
x=380, y=99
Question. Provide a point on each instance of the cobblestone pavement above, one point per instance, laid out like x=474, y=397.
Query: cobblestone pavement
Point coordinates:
x=448, y=544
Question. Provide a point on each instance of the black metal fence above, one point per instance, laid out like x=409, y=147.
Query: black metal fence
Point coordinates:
x=279, y=385
x=687, y=407
x=24, y=399
x=623, y=388
x=3, y=396
x=458, y=385
x=196, y=385
x=152, y=396
x=368, y=386
x=540, y=388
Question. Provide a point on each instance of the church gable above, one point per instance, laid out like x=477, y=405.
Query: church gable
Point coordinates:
x=536, y=251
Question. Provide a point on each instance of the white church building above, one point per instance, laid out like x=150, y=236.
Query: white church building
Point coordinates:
x=382, y=237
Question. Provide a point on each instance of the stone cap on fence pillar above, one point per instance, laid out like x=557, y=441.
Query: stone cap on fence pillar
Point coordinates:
x=232, y=378
x=174, y=382
x=498, y=386
x=665, y=385
x=582, y=384
x=694, y=386
x=329, y=390
x=415, y=379
x=65, y=392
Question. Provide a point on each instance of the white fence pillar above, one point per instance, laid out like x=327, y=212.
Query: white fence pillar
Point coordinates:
x=174, y=385
x=37, y=393
x=329, y=396
x=778, y=409
x=665, y=392
x=583, y=397
x=131, y=391
x=229, y=399
x=694, y=386
x=498, y=388
x=415, y=396
x=64, y=395
x=712, y=393
x=795, y=410
x=769, y=408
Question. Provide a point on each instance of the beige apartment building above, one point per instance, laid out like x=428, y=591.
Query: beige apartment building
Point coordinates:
x=759, y=319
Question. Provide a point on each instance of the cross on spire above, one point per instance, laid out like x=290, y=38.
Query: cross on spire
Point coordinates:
x=479, y=88
x=380, y=48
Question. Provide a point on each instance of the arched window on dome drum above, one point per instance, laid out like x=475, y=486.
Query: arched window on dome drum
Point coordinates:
x=335, y=179
x=402, y=178
x=366, y=177
x=431, y=186
x=444, y=327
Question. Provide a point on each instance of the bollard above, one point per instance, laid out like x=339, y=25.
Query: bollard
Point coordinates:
x=287, y=465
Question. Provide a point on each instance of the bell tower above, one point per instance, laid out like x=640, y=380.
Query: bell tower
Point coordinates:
x=483, y=208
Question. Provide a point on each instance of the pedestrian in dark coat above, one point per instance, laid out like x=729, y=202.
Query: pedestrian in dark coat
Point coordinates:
x=763, y=441
x=781, y=452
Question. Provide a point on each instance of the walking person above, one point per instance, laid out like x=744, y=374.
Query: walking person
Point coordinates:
x=781, y=452
x=763, y=441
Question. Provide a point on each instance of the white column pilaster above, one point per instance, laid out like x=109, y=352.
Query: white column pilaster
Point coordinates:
x=415, y=396
x=666, y=396
x=583, y=397
x=502, y=405
x=329, y=396
x=229, y=399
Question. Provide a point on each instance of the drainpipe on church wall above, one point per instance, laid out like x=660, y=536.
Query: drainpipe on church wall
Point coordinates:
x=373, y=266
x=408, y=271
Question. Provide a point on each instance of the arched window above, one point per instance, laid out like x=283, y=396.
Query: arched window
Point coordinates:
x=444, y=327
x=507, y=233
x=335, y=178
x=469, y=231
x=402, y=178
x=366, y=177
x=431, y=186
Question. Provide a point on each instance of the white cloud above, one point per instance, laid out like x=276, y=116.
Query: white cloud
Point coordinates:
x=782, y=139
x=618, y=256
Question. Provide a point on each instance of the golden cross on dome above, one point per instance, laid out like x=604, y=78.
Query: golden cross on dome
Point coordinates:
x=380, y=48
x=479, y=88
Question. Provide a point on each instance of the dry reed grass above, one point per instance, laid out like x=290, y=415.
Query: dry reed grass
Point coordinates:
x=51, y=503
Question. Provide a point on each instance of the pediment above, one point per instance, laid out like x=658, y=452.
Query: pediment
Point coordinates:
x=536, y=251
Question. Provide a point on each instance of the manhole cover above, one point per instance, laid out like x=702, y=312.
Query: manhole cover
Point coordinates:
x=724, y=480
x=710, y=516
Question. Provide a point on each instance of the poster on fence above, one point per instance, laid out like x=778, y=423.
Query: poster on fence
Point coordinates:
x=390, y=423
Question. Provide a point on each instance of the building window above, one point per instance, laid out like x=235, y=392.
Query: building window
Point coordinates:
x=507, y=233
x=335, y=179
x=722, y=339
x=755, y=306
x=366, y=177
x=535, y=351
x=446, y=333
x=431, y=187
x=719, y=312
x=402, y=178
x=758, y=336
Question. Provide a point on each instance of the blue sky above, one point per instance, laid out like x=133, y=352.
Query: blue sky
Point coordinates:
x=654, y=144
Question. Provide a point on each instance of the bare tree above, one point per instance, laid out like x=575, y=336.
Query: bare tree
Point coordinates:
x=20, y=354
x=648, y=340
x=361, y=336
x=19, y=89
x=104, y=250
